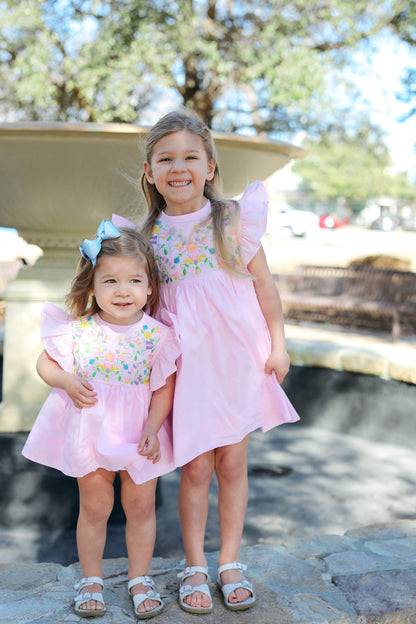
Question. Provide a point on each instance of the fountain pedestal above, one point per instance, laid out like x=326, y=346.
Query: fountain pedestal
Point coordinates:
x=23, y=391
x=57, y=182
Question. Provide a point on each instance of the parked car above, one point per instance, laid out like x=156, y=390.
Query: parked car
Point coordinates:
x=293, y=222
x=386, y=223
x=331, y=222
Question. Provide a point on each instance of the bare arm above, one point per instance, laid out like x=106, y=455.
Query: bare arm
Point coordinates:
x=271, y=306
x=160, y=406
x=81, y=393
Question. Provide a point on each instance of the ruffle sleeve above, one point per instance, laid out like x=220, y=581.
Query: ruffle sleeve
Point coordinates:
x=168, y=352
x=254, y=206
x=119, y=221
x=55, y=331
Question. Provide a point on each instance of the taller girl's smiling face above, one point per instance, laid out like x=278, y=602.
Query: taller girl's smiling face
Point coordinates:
x=179, y=168
x=121, y=288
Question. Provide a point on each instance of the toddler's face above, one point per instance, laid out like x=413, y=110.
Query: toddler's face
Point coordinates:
x=179, y=169
x=121, y=288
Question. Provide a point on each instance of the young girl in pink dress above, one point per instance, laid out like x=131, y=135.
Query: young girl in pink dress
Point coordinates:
x=215, y=279
x=112, y=369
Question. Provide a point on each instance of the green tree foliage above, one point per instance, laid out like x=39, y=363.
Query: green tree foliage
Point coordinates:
x=405, y=26
x=355, y=167
x=408, y=95
x=253, y=65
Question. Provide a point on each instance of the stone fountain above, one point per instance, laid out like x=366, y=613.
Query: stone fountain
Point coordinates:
x=57, y=181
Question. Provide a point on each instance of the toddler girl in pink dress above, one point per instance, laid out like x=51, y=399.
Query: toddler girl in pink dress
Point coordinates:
x=112, y=369
x=215, y=279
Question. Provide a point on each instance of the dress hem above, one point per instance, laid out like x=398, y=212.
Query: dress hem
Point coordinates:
x=236, y=440
x=128, y=469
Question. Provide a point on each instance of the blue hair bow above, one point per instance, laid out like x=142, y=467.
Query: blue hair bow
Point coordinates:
x=91, y=248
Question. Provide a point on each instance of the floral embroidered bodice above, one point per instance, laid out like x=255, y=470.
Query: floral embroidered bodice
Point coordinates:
x=115, y=357
x=184, y=245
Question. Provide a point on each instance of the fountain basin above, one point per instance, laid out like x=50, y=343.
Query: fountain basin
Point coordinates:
x=58, y=180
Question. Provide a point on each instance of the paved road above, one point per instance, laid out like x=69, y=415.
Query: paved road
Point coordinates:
x=338, y=247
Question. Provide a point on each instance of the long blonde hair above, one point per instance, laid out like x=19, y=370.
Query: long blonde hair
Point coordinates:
x=176, y=121
x=131, y=244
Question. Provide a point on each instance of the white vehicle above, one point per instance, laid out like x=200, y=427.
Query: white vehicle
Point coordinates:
x=288, y=221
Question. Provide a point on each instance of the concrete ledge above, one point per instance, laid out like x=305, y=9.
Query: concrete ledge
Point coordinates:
x=366, y=576
x=314, y=345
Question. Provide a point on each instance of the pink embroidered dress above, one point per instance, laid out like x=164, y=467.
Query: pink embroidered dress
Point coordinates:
x=124, y=364
x=222, y=392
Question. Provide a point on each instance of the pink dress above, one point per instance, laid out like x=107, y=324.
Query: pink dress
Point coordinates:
x=124, y=364
x=222, y=392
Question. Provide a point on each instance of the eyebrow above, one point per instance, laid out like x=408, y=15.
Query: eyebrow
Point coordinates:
x=113, y=275
x=188, y=151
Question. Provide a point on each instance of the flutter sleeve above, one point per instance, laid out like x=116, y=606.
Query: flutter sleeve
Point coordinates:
x=119, y=221
x=168, y=352
x=254, y=206
x=55, y=331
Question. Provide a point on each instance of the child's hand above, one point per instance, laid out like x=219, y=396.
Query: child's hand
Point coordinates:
x=149, y=446
x=80, y=391
x=279, y=362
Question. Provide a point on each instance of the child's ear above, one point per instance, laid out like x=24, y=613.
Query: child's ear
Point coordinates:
x=148, y=172
x=211, y=169
x=149, y=291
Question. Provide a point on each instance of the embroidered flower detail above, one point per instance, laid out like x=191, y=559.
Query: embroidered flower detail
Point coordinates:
x=129, y=363
x=183, y=252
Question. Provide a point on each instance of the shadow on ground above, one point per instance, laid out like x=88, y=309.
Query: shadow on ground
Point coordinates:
x=345, y=465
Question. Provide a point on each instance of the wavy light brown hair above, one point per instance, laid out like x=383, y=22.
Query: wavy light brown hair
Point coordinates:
x=176, y=121
x=132, y=244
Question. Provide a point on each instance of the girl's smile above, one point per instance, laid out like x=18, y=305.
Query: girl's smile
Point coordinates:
x=179, y=168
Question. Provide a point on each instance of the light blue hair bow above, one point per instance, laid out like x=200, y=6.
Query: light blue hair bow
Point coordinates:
x=91, y=248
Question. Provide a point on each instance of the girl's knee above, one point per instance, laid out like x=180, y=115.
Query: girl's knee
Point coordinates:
x=138, y=501
x=96, y=508
x=96, y=495
x=231, y=464
x=199, y=470
x=139, y=509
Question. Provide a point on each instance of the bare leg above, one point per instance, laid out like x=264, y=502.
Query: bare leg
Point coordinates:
x=231, y=470
x=96, y=499
x=139, y=506
x=193, y=511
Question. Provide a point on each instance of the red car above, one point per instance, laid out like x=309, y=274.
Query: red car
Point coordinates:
x=331, y=221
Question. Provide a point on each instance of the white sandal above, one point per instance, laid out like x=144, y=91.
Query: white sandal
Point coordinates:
x=230, y=587
x=187, y=590
x=81, y=599
x=138, y=599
